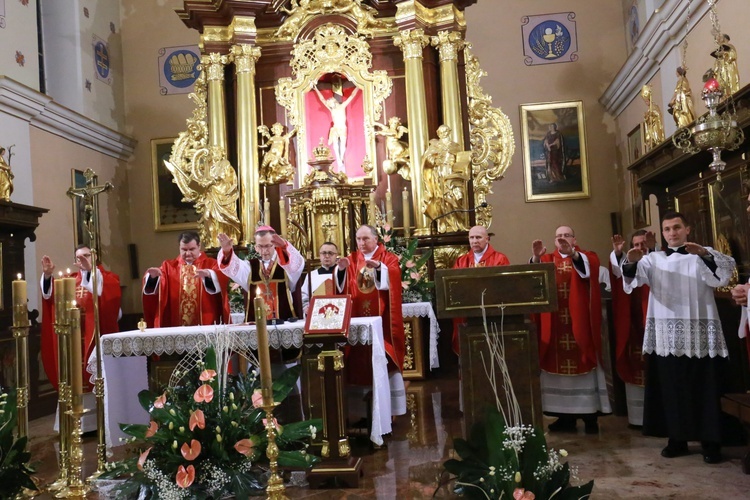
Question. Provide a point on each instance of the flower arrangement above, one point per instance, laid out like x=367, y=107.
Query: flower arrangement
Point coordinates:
x=236, y=297
x=207, y=435
x=503, y=458
x=15, y=472
x=416, y=287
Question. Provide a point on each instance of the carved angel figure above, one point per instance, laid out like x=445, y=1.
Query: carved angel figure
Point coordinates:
x=211, y=184
x=275, y=167
x=444, y=168
x=397, y=151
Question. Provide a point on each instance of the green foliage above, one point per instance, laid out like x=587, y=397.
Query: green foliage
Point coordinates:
x=15, y=472
x=502, y=462
x=416, y=287
x=232, y=423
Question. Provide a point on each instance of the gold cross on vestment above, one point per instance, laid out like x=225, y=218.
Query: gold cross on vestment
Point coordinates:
x=567, y=340
x=565, y=267
x=563, y=290
x=569, y=367
x=639, y=378
x=565, y=317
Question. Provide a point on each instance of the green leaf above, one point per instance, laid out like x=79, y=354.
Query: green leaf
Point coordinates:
x=135, y=430
x=284, y=383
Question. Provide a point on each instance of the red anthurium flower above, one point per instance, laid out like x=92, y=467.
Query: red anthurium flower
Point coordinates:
x=142, y=458
x=386, y=238
x=244, y=446
x=197, y=419
x=205, y=393
x=410, y=264
x=192, y=451
x=185, y=477
x=152, y=428
x=414, y=276
x=207, y=375
x=257, y=398
x=159, y=403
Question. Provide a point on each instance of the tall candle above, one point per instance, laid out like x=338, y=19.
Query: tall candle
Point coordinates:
x=59, y=299
x=389, y=208
x=371, y=209
x=69, y=292
x=264, y=354
x=267, y=212
x=20, y=312
x=406, y=202
x=282, y=215
x=76, y=365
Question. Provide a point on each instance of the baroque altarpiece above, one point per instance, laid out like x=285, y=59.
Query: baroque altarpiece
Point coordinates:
x=316, y=116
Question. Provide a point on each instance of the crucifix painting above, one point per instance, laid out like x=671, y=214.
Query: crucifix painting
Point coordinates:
x=334, y=111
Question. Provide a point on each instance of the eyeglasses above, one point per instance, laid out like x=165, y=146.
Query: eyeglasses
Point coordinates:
x=263, y=247
x=327, y=253
x=566, y=235
x=83, y=256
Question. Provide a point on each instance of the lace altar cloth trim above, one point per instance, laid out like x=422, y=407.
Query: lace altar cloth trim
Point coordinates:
x=424, y=309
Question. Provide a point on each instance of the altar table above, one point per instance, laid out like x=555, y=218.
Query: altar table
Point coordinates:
x=125, y=372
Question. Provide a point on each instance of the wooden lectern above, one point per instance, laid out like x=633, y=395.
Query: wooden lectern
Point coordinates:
x=522, y=290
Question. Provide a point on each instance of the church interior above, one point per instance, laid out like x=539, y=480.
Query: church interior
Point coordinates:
x=124, y=123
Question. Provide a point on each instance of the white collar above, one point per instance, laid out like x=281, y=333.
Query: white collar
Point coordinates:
x=478, y=256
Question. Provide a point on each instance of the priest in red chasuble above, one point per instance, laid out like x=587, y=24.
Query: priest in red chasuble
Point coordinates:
x=372, y=276
x=108, y=287
x=481, y=255
x=572, y=379
x=629, y=318
x=275, y=274
x=186, y=291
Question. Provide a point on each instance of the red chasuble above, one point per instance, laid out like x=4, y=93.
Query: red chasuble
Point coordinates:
x=490, y=258
x=182, y=299
x=570, y=339
x=384, y=303
x=109, y=310
x=629, y=315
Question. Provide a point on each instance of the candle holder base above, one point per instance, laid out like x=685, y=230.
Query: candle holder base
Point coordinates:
x=342, y=472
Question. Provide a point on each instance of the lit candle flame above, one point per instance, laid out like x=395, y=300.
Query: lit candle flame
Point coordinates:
x=19, y=276
x=60, y=274
x=257, y=292
x=73, y=304
x=67, y=271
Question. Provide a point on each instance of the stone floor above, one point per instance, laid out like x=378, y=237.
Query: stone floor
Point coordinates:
x=622, y=462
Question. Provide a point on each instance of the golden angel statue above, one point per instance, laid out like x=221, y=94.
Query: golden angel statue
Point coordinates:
x=275, y=167
x=653, y=126
x=681, y=105
x=211, y=184
x=446, y=173
x=725, y=66
x=397, y=151
x=6, y=176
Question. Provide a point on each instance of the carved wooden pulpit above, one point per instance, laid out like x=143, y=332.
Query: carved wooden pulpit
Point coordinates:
x=510, y=295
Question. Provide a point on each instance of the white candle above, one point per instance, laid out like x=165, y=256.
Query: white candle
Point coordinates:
x=406, y=208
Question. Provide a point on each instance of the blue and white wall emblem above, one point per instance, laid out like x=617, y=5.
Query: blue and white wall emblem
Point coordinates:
x=549, y=38
x=178, y=69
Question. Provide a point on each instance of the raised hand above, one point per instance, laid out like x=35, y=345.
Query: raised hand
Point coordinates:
x=537, y=250
x=634, y=255
x=225, y=242
x=203, y=273
x=565, y=246
x=696, y=249
x=372, y=264
x=278, y=241
x=617, y=243
x=650, y=240
x=739, y=294
x=153, y=272
x=47, y=266
x=342, y=263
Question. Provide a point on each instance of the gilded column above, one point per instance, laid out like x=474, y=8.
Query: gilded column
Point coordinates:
x=245, y=57
x=213, y=65
x=412, y=43
x=449, y=43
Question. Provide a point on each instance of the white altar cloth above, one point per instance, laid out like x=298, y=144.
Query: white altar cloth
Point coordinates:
x=421, y=309
x=125, y=373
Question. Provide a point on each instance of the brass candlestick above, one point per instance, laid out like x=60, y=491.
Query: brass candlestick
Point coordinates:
x=101, y=443
x=20, y=330
x=275, y=489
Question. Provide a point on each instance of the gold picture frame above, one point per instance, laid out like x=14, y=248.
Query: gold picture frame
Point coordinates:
x=635, y=144
x=554, y=151
x=80, y=234
x=170, y=212
x=641, y=207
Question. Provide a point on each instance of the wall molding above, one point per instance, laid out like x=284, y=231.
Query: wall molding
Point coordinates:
x=42, y=112
x=664, y=31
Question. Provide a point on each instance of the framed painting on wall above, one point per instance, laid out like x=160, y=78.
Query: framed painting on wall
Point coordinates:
x=554, y=151
x=641, y=207
x=170, y=212
x=635, y=144
x=80, y=234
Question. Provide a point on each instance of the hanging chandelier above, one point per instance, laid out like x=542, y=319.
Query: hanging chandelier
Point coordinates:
x=714, y=131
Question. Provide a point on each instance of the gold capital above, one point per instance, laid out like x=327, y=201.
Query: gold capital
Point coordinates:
x=214, y=66
x=411, y=43
x=449, y=43
x=245, y=57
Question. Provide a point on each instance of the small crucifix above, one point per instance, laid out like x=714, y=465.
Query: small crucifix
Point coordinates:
x=88, y=194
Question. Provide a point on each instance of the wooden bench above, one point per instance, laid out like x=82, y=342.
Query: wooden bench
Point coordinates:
x=738, y=405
